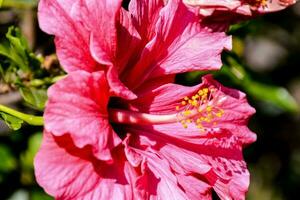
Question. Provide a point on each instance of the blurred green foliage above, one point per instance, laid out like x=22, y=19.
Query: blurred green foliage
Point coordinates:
x=26, y=158
x=21, y=4
x=276, y=96
x=8, y=162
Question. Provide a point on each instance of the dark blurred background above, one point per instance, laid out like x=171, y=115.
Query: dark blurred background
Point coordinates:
x=266, y=51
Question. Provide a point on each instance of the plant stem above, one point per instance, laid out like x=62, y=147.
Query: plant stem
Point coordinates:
x=45, y=81
x=30, y=119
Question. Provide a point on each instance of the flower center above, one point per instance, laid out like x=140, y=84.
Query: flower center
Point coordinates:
x=255, y=4
x=258, y=3
x=200, y=110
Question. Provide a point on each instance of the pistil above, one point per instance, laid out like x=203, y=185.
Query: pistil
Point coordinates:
x=201, y=110
x=132, y=117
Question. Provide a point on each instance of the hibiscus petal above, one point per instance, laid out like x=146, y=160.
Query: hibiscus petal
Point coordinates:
x=167, y=187
x=60, y=18
x=233, y=103
x=160, y=100
x=100, y=17
x=194, y=188
x=213, y=161
x=236, y=109
x=67, y=172
x=116, y=86
x=208, y=7
x=194, y=50
x=77, y=106
x=128, y=36
x=160, y=179
x=128, y=46
x=180, y=44
x=146, y=14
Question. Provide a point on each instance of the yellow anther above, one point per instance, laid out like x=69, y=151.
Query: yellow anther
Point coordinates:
x=200, y=109
x=258, y=3
x=208, y=108
x=199, y=126
x=219, y=114
x=186, y=112
x=195, y=97
x=194, y=103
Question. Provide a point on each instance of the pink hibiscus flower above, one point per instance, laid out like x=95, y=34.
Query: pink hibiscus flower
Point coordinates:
x=222, y=13
x=243, y=7
x=172, y=142
x=150, y=40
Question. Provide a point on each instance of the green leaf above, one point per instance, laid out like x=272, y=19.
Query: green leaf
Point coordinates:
x=17, y=41
x=13, y=122
x=236, y=27
x=18, y=48
x=17, y=61
x=277, y=96
x=8, y=162
x=1, y=2
x=34, y=97
x=8, y=52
